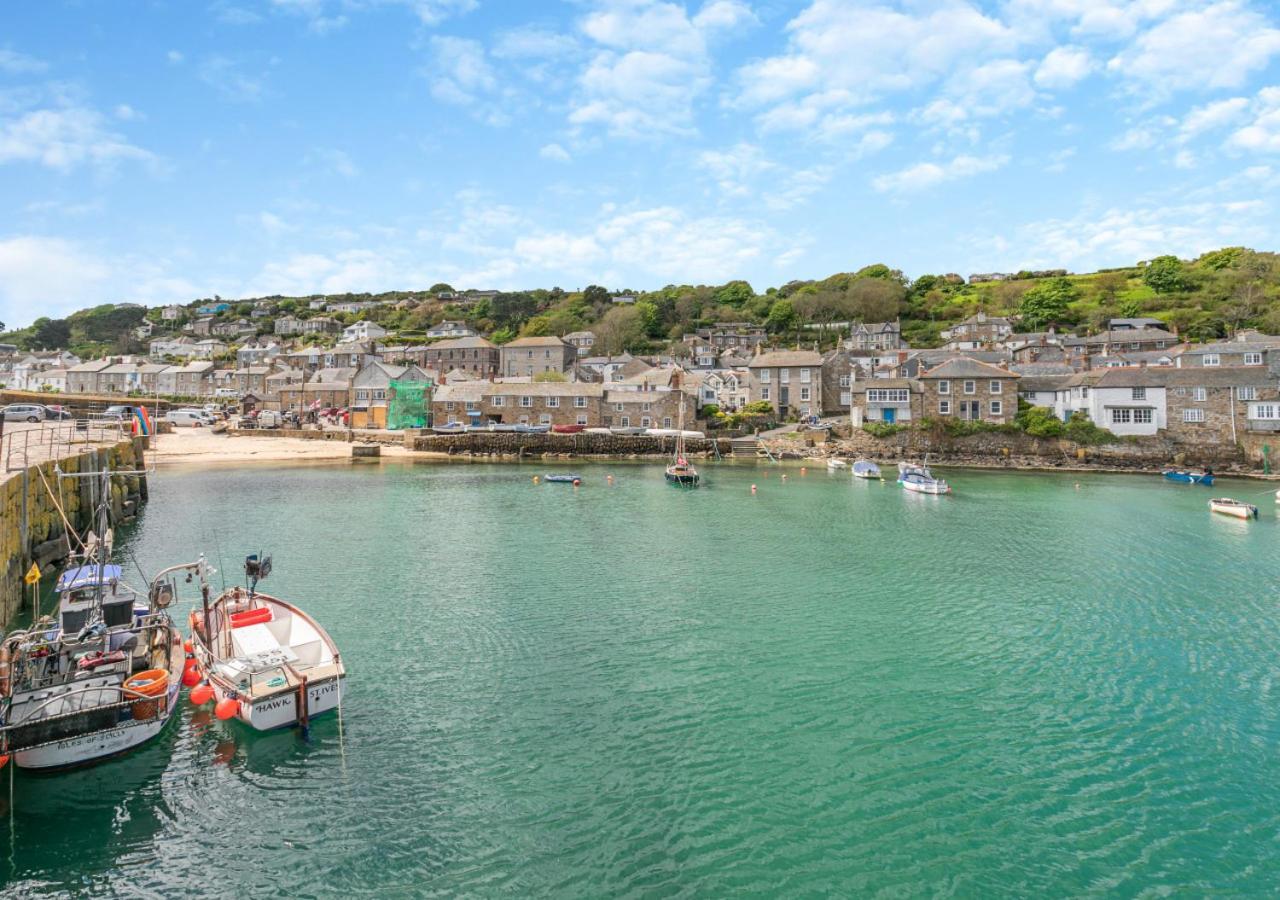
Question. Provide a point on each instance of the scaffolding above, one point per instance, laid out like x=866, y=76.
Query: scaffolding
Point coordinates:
x=408, y=404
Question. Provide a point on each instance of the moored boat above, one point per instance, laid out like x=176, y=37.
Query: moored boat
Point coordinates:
x=563, y=478
x=907, y=468
x=865, y=468
x=449, y=428
x=835, y=463
x=1183, y=476
x=923, y=484
x=568, y=429
x=681, y=472
x=264, y=660
x=1238, y=508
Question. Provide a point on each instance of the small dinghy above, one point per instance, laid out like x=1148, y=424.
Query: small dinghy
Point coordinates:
x=865, y=468
x=1237, y=508
x=1185, y=477
x=563, y=478
x=837, y=464
x=920, y=483
x=265, y=661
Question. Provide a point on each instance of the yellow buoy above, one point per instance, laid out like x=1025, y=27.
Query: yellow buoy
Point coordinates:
x=535, y=479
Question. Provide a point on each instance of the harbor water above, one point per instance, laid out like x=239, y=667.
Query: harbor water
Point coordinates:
x=1040, y=685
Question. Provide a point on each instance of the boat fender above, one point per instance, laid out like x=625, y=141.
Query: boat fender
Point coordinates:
x=226, y=708
x=191, y=677
x=201, y=694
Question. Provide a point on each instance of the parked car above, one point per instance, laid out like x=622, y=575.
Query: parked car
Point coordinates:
x=24, y=412
x=57, y=412
x=226, y=392
x=192, y=418
x=269, y=418
x=120, y=412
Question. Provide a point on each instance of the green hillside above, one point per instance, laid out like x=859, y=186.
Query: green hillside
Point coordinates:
x=1202, y=299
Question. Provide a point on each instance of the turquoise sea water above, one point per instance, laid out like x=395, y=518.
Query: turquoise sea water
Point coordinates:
x=1043, y=685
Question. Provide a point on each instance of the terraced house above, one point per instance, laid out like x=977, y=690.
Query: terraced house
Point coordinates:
x=532, y=356
x=971, y=390
x=788, y=380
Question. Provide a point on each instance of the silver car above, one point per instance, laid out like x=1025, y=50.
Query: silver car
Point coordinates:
x=24, y=412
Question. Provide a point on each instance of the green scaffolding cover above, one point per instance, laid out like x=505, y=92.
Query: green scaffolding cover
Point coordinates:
x=409, y=404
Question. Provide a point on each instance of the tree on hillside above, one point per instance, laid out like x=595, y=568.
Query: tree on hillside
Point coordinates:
x=594, y=294
x=883, y=272
x=782, y=317
x=511, y=309
x=650, y=319
x=439, y=287
x=1048, y=303
x=1165, y=275
x=1108, y=285
x=1216, y=260
x=824, y=307
x=1008, y=295
x=49, y=334
x=735, y=293
x=876, y=299
x=619, y=329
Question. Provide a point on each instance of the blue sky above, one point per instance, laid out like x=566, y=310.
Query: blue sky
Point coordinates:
x=173, y=149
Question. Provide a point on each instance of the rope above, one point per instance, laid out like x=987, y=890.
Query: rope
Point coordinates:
x=342, y=748
x=70, y=531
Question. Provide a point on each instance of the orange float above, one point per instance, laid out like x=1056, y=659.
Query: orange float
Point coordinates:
x=201, y=695
x=226, y=708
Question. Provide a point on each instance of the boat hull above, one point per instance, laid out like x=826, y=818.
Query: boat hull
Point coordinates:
x=682, y=480
x=1235, y=510
x=280, y=709
x=84, y=749
x=1203, y=478
x=918, y=488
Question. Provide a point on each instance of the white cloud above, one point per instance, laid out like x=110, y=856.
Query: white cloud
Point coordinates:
x=928, y=174
x=735, y=170
x=555, y=153
x=558, y=251
x=1218, y=46
x=1000, y=86
x=64, y=139
x=1062, y=67
x=174, y=57
x=1262, y=135
x=15, y=63
x=229, y=79
x=533, y=43
x=461, y=75
x=724, y=15
x=126, y=113
x=332, y=161
x=1213, y=116
x=44, y=276
x=428, y=12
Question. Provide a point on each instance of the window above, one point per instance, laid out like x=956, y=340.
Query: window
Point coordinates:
x=1198, y=395
x=784, y=376
x=617, y=407
x=1140, y=393
x=845, y=381
x=944, y=387
x=804, y=394
x=498, y=400
x=646, y=422
x=845, y=398
x=646, y=407
x=472, y=404
x=1084, y=392
x=1211, y=359
x=944, y=407
x=582, y=418
x=580, y=402
x=1193, y=415
x=553, y=402
x=764, y=393
x=625, y=421
x=362, y=395
x=1142, y=417
x=1246, y=393
x=379, y=394
x=666, y=421
x=1180, y=392
x=526, y=401
x=887, y=395
x=997, y=408
x=804, y=376
x=544, y=419
x=1121, y=416
x=994, y=387
x=1264, y=411
x=449, y=406
x=1253, y=359
x=764, y=376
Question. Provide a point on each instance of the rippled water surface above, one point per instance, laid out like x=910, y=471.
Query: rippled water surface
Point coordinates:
x=1040, y=685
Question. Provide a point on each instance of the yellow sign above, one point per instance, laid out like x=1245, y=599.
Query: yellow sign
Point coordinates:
x=33, y=574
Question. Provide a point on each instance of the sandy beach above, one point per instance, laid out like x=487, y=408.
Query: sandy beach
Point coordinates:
x=199, y=446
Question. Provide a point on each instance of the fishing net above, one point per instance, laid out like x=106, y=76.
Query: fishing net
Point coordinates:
x=408, y=404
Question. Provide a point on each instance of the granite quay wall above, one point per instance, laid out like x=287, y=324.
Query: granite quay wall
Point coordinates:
x=357, y=435
x=32, y=528
x=497, y=443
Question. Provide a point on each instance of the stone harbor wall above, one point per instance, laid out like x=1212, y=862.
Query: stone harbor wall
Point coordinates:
x=32, y=529
x=499, y=443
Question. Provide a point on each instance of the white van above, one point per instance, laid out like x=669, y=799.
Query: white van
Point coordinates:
x=185, y=417
x=226, y=392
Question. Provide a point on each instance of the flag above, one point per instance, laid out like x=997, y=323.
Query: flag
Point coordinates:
x=33, y=574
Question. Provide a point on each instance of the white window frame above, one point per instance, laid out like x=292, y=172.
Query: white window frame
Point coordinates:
x=1192, y=415
x=1139, y=393
x=944, y=386
x=845, y=381
x=1211, y=359
x=1253, y=359
x=970, y=386
x=804, y=395
x=625, y=422
x=646, y=422
x=944, y=407
x=1199, y=394
x=526, y=402
x=1247, y=393
x=553, y=402
x=765, y=376
x=582, y=418
x=498, y=400
x=764, y=393
x=666, y=421
x=544, y=419
x=1121, y=415
x=784, y=376
x=580, y=402
x=997, y=408
x=1143, y=416
x=1265, y=412
x=995, y=387
x=805, y=376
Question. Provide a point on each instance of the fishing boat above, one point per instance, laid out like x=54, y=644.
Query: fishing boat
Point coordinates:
x=834, y=464
x=264, y=660
x=523, y=428
x=681, y=472
x=1185, y=477
x=563, y=479
x=568, y=429
x=865, y=468
x=1238, y=508
x=449, y=428
x=101, y=675
x=919, y=483
x=907, y=468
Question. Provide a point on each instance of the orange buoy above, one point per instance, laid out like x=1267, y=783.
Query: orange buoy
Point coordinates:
x=202, y=694
x=609, y=478
x=190, y=663
x=186, y=645
x=577, y=481
x=226, y=708
x=4, y=760
x=804, y=471
x=191, y=677
x=753, y=488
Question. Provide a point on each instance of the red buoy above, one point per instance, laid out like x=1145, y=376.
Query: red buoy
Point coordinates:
x=191, y=677
x=189, y=664
x=201, y=695
x=226, y=708
x=186, y=645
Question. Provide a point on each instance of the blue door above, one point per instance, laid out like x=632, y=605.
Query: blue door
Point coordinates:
x=889, y=415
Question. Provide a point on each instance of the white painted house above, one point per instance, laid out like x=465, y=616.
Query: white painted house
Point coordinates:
x=363, y=331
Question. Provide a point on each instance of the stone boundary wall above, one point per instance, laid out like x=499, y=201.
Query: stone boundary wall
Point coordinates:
x=31, y=528
x=499, y=443
x=306, y=434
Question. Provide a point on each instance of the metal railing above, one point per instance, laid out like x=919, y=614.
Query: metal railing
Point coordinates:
x=23, y=445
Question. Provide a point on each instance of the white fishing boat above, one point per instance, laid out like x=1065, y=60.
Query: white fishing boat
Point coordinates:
x=835, y=463
x=908, y=468
x=264, y=661
x=1237, y=508
x=865, y=468
x=681, y=472
x=923, y=484
x=101, y=675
